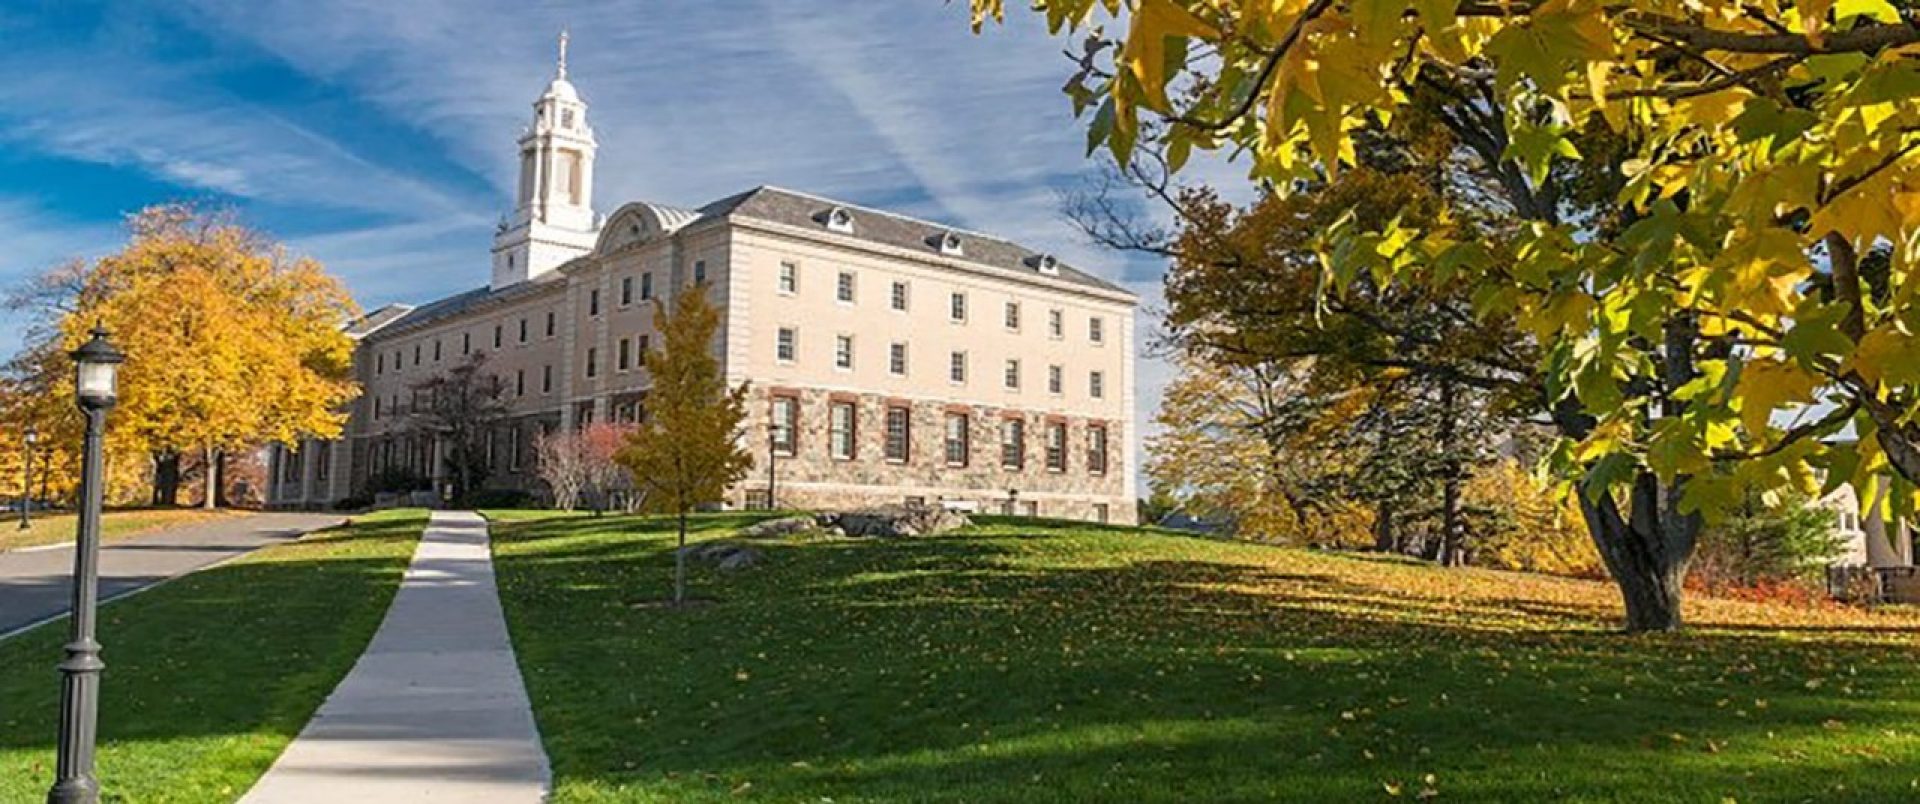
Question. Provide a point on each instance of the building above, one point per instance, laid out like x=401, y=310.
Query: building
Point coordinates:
x=891, y=359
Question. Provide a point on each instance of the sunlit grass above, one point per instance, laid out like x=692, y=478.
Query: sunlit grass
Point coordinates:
x=1051, y=662
x=210, y=676
x=54, y=527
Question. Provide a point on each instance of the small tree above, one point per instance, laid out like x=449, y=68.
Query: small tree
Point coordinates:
x=582, y=466
x=459, y=406
x=1783, y=539
x=687, y=451
x=561, y=464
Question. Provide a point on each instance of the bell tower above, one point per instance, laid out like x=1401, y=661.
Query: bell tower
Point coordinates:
x=552, y=219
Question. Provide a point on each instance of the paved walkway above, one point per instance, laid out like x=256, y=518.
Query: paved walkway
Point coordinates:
x=434, y=710
x=36, y=584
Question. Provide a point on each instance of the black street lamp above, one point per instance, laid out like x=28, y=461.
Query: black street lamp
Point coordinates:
x=773, y=455
x=26, y=478
x=96, y=363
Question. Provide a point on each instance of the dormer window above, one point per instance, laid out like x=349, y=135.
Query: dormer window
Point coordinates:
x=1047, y=264
x=950, y=244
x=566, y=118
x=840, y=220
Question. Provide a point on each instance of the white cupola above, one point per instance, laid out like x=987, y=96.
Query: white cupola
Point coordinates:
x=553, y=219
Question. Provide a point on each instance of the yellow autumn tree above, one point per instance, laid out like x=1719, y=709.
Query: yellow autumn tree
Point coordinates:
x=230, y=342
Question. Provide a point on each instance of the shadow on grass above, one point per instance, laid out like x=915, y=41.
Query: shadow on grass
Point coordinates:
x=1067, y=663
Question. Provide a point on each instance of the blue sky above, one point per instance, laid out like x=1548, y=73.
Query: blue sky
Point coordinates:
x=378, y=135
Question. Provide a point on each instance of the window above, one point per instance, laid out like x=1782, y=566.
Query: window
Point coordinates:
x=786, y=425
x=496, y=335
x=1097, y=329
x=376, y=407
x=957, y=367
x=380, y=363
x=593, y=362
x=626, y=290
x=899, y=433
x=788, y=344
x=840, y=430
x=699, y=272
x=546, y=379
x=1013, y=443
x=520, y=382
x=436, y=350
x=843, y=288
x=1055, y=380
x=1056, y=324
x=1013, y=316
x=523, y=330
x=1097, y=449
x=416, y=354
x=843, y=351
x=1097, y=385
x=958, y=428
x=646, y=286
x=513, y=448
x=789, y=278
x=466, y=342
x=646, y=343
x=551, y=330
x=957, y=308
x=1013, y=374
x=566, y=118
x=626, y=354
x=593, y=305
x=1056, y=446
x=898, y=301
x=1100, y=513
x=897, y=359
x=399, y=359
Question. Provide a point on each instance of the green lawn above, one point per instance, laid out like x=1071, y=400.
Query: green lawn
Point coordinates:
x=1048, y=662
x=210, y=676
x=53, y=527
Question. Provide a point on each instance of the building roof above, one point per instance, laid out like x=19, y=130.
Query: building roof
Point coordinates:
x=792, y=208
x=774, y=205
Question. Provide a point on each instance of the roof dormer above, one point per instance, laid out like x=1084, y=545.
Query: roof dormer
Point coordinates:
x=948, y=243
x=838, y=219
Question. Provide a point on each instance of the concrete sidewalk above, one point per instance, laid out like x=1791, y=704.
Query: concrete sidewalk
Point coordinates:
x=36, y=584
x=435, y=709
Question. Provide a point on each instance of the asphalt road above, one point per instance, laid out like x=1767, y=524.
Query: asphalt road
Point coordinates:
x=36, y=584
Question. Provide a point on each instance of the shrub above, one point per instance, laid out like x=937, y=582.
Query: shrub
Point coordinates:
x=397, y=479
x=1767, y=539
x=353, y=503
x=500, y=498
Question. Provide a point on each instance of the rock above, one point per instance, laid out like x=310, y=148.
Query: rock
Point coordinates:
x=724, y=555
x=739, y=559
x=895, y=521
x=785, y=526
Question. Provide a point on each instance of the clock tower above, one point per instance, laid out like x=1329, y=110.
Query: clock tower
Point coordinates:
x=553, y=219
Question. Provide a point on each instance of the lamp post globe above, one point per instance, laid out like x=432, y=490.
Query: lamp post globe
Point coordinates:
x=96, y=366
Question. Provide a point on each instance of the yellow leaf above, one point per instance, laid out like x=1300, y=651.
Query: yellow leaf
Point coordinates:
x=1146, y=49
x=1766, y=386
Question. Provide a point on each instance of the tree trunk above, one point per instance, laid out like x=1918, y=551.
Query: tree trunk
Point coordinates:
x=1648, y=554
x=212, y=468
x=1384, y=539
x=220, y=496
x=1452, y=524
x=680, y=563
x=166, y=478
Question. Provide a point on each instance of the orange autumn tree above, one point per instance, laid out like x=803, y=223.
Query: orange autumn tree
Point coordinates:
x=230, y=342
x=1736, y=283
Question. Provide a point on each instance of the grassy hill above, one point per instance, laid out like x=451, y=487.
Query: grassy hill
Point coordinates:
x=1059, y=662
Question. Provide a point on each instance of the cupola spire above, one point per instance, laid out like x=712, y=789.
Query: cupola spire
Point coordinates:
x=563, y=54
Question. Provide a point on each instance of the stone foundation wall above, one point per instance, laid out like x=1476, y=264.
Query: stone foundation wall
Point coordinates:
x=813, y=478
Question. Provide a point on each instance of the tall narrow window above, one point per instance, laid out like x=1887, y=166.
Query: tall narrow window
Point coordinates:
x=436, y=350
x=513, y=448
x=380, y=364
x=843, y=288
x=699, y=272
x=553, y=330
x=898, y=300
x=1056, y=446
x=1056, y=324
x=546, y=379
x=466, y=342
x=897, y=359
x=786, y=425
x=523, y=330
x=1055, y=380
x=1097, y=385
x=593, y=363
x=958, y=427
x=1097, y=449
x=520, y=382
x=899, y=433
x=843, y=351
x=626, y=354
x=646, y=286
x=416, y=354
x=1013, y=374
x=626, y=290
x=789, y=278
x=787, y=345
x=1097, y=329
x=840, y=430
x=496, y=335
x=1013, y=443
x=593, y=302
x=957, y=367
x=1013, y=315
x=957, y=308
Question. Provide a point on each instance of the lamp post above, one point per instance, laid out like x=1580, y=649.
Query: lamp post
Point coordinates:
x=26, y=478
x=773, y=454
x=96, y=362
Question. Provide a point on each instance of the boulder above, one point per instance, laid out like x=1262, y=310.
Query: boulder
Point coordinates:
x=895, y=521
x=784, y=526
x=724, y=555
